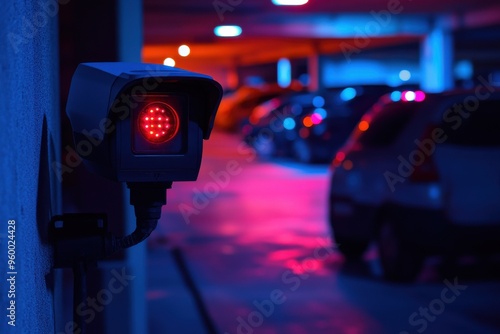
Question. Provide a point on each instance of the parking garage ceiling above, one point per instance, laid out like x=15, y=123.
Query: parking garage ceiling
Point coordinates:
x=270, y=31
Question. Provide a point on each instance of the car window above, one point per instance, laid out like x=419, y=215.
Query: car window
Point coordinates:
x=481, y=128
x=386, y=125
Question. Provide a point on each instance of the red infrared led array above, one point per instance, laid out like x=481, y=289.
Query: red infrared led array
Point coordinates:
x=158, y=122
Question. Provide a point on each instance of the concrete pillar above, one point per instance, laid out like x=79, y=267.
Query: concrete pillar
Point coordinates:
x=130, y=26
x=316, y=71
x=129, y=30
x=437, y=58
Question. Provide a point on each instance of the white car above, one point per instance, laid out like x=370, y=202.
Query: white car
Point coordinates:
x=420, y=175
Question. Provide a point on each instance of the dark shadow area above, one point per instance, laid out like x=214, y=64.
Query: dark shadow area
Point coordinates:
x=43, y=201
x=480, y=268
x=356, y=268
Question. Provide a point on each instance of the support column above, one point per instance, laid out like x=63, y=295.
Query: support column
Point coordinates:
x=436, y=58
x=130, y=26
x=129, y=30
x=316, y=71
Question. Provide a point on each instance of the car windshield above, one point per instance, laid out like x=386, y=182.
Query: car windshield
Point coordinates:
x=481, y=128
x=384, y=126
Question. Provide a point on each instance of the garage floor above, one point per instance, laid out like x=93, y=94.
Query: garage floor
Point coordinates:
x=255, y=241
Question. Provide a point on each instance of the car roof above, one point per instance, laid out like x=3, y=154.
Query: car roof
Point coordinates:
x=436, y=103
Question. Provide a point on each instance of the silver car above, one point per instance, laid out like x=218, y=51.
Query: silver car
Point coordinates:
x=420, y=175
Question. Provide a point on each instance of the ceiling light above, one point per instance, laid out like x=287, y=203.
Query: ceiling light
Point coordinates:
x=405, y=75
x=227, y=31
x=289, y=2
x=348, y=94
x=284, y=72
x=184, y=50
x=169, y=62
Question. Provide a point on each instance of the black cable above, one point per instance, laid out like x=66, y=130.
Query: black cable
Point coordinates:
x=146, y=221
x=79, y=295
x=200, y=305
x=147, y=199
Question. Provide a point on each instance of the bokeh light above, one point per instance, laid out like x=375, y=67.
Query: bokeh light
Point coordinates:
x=169, y=62
x=184, y=50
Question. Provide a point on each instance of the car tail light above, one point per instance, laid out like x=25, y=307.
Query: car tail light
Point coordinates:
x=363, y=125
x=339, y=158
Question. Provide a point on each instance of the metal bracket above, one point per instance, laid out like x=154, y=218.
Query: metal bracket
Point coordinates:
x=79, y=237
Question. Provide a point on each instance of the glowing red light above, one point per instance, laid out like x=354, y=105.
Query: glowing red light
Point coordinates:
x=155, y=132
x=340, y=156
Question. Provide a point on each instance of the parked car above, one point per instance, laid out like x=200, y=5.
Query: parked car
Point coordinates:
x=237, y=106
x=309, y=127
x=420, y=175
x=270, y=127
x=321, y=131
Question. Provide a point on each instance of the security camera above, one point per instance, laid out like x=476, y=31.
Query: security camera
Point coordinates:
x=142, y=124
x=145, y=122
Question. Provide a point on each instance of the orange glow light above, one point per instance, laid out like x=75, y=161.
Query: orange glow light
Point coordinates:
x=363, y=125
x=307, y=121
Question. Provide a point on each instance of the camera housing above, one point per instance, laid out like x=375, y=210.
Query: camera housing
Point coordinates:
x=135, y=122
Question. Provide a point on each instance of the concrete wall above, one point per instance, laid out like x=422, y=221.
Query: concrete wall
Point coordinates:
x=29, y=192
